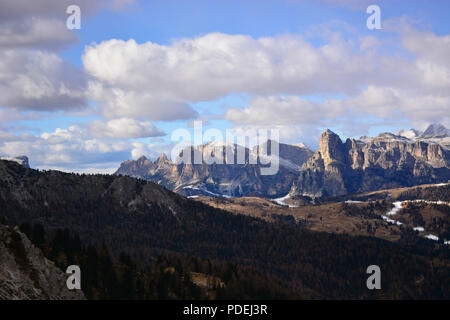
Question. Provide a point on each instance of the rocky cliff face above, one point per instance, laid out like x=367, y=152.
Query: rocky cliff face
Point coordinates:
x=235, y=179
x=386, y=161
x=324, y=172
x=26, y=274
x=357, y=165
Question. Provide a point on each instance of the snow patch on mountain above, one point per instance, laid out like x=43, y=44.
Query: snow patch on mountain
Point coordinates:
x=410, y=134
x=282, y=201
x=398, y=206
x=432, y=237
x=207, y=192
x=388, y=220
x=395, y=209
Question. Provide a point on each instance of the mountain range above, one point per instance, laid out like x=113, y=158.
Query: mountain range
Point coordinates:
x=368, y=164
x=406, y=158
x=218, y=179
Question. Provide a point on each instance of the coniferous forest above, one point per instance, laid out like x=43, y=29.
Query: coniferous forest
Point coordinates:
x=134, y=239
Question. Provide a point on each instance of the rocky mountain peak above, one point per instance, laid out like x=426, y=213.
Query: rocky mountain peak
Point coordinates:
x=336, y=168
x=368, y=164
x=139, y=167
x=143, y=160
x=351, y=143
x=162, y=159
x=328, y=132
x=329, y=135
x=331, y=147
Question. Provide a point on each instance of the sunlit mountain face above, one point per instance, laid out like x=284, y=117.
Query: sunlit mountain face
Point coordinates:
x=337, y=168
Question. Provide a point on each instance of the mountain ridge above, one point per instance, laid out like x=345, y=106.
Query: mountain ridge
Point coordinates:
x=235, y=179
x=405, y=158
x=368, y=164
x=145, y=220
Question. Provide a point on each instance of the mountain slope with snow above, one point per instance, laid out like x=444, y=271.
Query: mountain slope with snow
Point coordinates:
x=226, y=170
x=407, y=158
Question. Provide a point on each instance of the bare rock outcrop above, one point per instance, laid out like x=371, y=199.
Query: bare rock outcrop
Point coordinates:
x=367, y=164
x=233, y=179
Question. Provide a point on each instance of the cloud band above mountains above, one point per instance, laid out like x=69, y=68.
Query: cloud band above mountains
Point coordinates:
x=293, y=82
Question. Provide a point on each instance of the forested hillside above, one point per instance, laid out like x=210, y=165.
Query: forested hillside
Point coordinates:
x=145, y=221
x=167, y=277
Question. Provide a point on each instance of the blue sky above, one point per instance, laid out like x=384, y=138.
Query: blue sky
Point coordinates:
x=102, y=101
